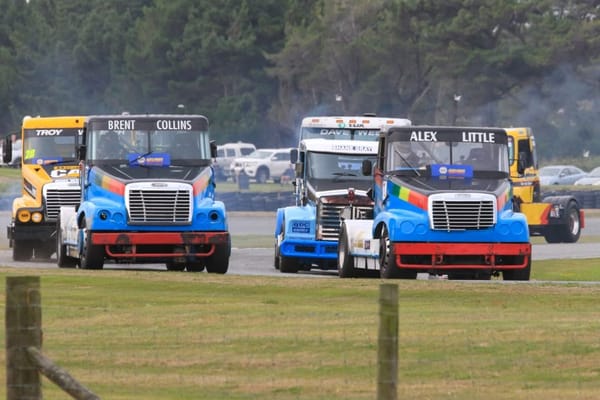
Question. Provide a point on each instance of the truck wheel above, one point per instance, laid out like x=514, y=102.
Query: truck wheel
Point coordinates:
x=195, y=266
x=22, y=250
x=175, y=266
x=62, y=259
x=218, y=262
x=92, y=256
x=552, y=234
x=262, y=175
x=44, y=250
x=276, y=256
x=345, y=263
x=288, y=265
x=387, y=260
x=572, y=228
x=518, y=274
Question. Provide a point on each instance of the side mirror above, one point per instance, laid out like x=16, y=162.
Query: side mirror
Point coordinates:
x=213, y=149
x=294, y=156
x=81, y=152
x=367, y=167
x=299, y=169
x=7, y=150
x=521, y=166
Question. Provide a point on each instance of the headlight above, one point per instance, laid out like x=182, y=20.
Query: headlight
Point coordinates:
x=24, y=216
x=36, y=217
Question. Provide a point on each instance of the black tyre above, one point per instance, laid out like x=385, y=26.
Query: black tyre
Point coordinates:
x=387, y=263
x=571, y=231
x=262, y=175
x=345, y=262
x=552, y=234
x=44, y=250
x=387, y=260
x=276, y=254
x=175, y=266
x=518, y=274
x=288, y=265
x=193, y=263
x=92, y=256
x=62, y=259
x=22, y=250
x=218, y=262
x=196, y=266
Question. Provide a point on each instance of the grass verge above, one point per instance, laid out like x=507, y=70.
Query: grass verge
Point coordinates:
x=158, y=335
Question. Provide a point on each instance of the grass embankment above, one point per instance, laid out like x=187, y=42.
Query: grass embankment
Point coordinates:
x=158, y=335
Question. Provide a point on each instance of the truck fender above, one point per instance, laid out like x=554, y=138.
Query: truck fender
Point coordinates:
x=360, y=239
x=68, y=224
x=298, y=213
x=562, y=200
x=279, y=221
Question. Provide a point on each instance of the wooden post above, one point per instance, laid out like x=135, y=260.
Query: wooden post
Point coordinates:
x=387, y=348
x=23, y=319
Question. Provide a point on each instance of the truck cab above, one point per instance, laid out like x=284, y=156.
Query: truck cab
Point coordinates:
x=147, y=196
x=50, y=179
x=558, y=218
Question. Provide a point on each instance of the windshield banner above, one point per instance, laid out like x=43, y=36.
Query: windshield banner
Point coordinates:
x=451, y=171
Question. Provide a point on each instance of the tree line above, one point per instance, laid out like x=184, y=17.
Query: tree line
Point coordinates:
x=256, y=68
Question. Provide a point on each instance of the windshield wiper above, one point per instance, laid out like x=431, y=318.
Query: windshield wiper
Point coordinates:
x=344, y=174
x=339, y=175
x=67, y=161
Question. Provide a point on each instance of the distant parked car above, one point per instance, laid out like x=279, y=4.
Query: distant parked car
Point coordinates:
x=263, y=164
x=593, y=178
x=561, y=174
x=228, y=152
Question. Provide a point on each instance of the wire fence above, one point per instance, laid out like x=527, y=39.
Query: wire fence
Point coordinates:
x=130, y=353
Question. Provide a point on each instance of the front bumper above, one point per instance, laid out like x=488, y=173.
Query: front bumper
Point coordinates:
x=159, y=244
x=31, y=231
x=309, y=249
x=449, y=256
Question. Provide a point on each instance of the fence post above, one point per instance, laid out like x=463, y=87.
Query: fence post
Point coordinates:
x=23, y=318
x=387, y=347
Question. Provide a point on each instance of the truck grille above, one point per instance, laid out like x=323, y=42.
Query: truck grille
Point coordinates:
x=462, y=214
x=328, y=219
x=168, y=205
x=60, y=197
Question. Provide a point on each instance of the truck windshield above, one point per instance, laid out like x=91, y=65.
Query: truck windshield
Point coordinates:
x=416, y=155
x=190, y=146
x=44, y=146
x=332, y=171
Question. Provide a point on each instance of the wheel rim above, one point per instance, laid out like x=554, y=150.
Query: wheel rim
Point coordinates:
x=383, y=252
x=574, y=222
x=341, y=253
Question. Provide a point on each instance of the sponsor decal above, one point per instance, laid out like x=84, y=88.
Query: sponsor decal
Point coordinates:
x=300, y=227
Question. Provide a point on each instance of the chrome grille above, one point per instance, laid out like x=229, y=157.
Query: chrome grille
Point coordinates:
x=328, y=219
x=460, y=215
x=60, y=197
x=166, y=205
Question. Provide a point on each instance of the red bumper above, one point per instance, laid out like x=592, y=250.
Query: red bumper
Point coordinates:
x=440, y=256
x=171, y=244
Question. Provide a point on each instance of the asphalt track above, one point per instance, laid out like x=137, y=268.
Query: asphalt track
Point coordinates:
x=259, y=261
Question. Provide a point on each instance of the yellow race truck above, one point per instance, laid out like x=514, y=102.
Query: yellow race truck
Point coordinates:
x=50, y=173
x=556, y=218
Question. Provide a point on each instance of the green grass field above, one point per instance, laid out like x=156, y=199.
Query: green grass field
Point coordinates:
x=159, y=335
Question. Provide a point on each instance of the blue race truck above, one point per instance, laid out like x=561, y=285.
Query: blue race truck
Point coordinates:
x=328, y=179
x=442, y=205
x=147, y=196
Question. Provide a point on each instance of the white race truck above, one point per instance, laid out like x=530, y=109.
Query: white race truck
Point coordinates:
x=328, y=179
